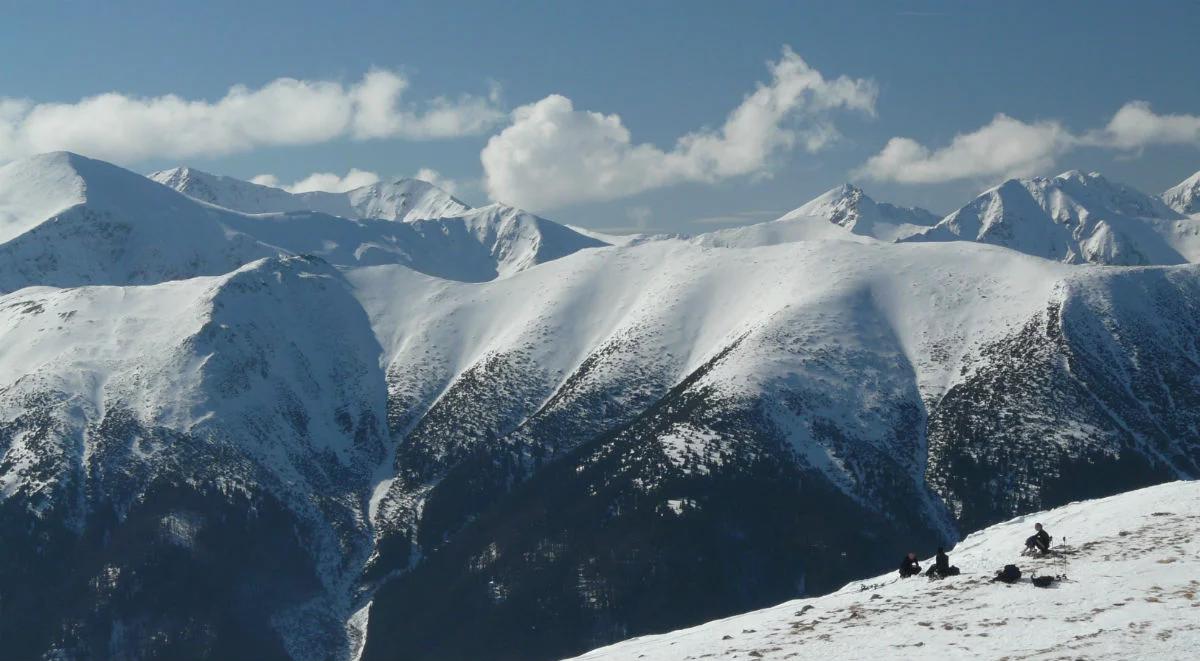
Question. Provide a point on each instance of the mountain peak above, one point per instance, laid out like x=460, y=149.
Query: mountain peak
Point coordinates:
x=1184, y=197
x=1072, y=217
x=848, y=206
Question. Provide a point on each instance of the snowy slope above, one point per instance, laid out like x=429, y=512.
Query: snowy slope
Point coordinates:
x=70, y=220
x=429, y=430
x=177, y=406
x=400, y=199
x=969, y=381
x=1132, y=563
x=902, y=324
x=481, y=244
x=66, y=220
x=844, y=212
x=848, y=206
x=1074, y=218
x=1184, y=197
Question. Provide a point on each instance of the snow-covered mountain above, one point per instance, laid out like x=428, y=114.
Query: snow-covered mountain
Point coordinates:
x=468, y=437
x=1130, y=562
x=1184, y=197
x=1074, y=218
x=67, y=220
x=914, y=391
x=847, y=206
x=399, y=199
x=188, y=446
x=844, y=212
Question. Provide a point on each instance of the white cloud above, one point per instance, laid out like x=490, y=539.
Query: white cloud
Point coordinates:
x=285, y=111
x=1008, y=147
x=434, y=177
x=355, y=178
x=1135, y=126
x=1004, y=147
x=321, y=181
x=552, y=154
x=266, y=180
x=379, y=114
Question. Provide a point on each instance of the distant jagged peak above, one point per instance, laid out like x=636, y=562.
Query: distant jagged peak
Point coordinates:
x=1068, y=196
x=1184, y=197
x=401, y=198
x=847, y=205
x=1074, y=217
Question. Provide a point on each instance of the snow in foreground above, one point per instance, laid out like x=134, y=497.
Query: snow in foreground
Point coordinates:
x=1133, y=568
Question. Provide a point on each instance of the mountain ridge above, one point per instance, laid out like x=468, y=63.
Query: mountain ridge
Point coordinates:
x=107, y=225
x=363, y=438
x=400, y=199
x=1184, y=197
x=1075, y=218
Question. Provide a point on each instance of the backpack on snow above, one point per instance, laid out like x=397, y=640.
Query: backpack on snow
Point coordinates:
x=1010, y=574
x=1047, y=581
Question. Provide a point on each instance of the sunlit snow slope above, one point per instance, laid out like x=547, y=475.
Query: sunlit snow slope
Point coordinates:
x=1074, y=218
x=1133, y=578
x=67, y=220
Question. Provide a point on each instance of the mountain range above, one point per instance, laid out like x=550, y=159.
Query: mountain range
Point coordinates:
x=401, y=199
x=236, y=425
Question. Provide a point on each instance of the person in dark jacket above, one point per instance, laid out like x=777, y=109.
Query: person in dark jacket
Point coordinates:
x=941, y=565
x=909, y=566
x=1039, y=541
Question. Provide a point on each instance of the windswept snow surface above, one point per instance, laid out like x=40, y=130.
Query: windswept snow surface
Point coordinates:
x=1074, y=218
x=399, y=199
x=1132, y=564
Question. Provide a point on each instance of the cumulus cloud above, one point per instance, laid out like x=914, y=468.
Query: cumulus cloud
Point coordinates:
x=334, y=183
x=434, y=177
x=1135, y=126
x=321, y=181
x=1005, y=146
x=266, y=180
x=552, y=154
x=285, y=111
x=1008, y=147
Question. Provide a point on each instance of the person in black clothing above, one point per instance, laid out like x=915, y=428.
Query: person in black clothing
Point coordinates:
x=909, y=566
x=1039, y=541
x=941, y=566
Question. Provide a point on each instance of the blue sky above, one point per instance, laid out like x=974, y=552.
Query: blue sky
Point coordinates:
x=932, y=70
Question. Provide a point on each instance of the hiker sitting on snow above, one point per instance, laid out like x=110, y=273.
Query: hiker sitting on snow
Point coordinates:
x=909, y=566
x=1039, y=541
x=941, y=566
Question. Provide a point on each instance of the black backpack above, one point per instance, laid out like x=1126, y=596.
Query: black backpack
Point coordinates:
x=1042, y=581
x=1010, y=574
